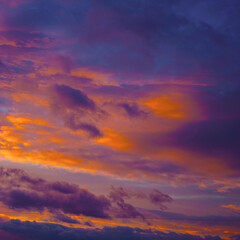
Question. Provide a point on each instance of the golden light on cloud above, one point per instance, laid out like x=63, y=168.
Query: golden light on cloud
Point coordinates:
x=115, y=140
x=26, y=120
x=173, y=105
x=231, y=206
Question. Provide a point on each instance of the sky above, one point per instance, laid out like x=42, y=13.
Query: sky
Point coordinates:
x=119, y=119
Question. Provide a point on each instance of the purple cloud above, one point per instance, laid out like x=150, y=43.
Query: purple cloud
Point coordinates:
x=75, y=108
x=20, y=191
x=154, y=196
x=132, y=110
x=64, y=218
x=125, y=210
x=38, y=231
x=71, y=98
x=158, y=198
x=90, y=129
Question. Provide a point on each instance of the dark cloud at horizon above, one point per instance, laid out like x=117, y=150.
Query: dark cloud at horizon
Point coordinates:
x=47, y=231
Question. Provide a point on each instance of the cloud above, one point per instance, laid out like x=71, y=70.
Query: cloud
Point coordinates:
x=158, y=198
x=20, y=191
x=132, y=110
x=138, y=39
x=206, y=221
x=64, y=218
x=92, y=130
x=231, y=206
x=154, y=196
x=71, y=98
x=177, y=45
x=75, y=108
x=118, y=196
x=126, y=210
x=38, y=231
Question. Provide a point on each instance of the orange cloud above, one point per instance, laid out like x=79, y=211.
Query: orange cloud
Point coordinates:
x=173, y=105
x=115, y=140
x=27, y=142
x=235, y=207
x=18, y=121
x=27, y=97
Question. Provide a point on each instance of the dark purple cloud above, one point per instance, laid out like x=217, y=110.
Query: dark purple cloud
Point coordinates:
x=72, y=105
x=39, y=231
x=125, y=210
x=64, y=218
x=92, y=130
x=154, y=196
x=71, y=98
x=20, y=191
x=73, y=121
x=158, y=198
x=132, y=110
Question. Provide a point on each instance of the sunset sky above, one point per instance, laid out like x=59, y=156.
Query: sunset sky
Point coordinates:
x=120, y=119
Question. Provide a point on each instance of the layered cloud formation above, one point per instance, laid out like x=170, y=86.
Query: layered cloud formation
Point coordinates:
x=122, y=110
x=28, y=230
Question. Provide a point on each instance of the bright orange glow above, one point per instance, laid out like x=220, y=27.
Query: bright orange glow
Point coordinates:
x=235, y=207
x=115, y=140
x=172, y=105
x=17, y=121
